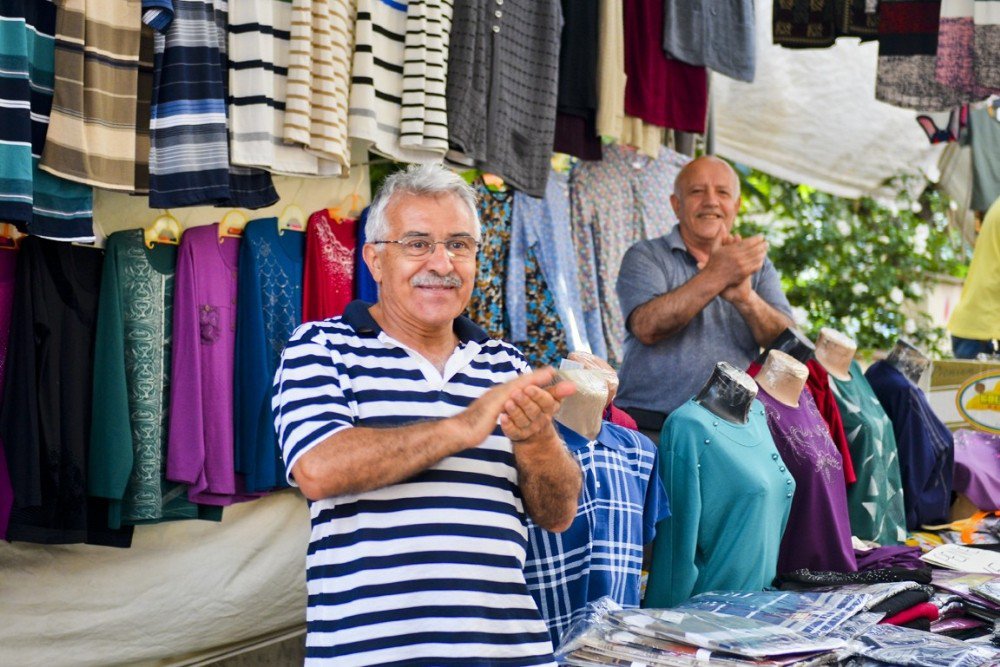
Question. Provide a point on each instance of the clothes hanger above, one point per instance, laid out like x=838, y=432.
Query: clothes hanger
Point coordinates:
x=165, y=229
x=232, y=224
x=561, y=163
x=494, y=183
x=10, y=238
x=292, y=219
x=351, y=206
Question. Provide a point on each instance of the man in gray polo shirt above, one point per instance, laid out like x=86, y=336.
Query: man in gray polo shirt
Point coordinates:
x=694, y=297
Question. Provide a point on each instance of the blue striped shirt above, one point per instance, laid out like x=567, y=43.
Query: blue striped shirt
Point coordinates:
x=189, y=144
x=428, y=571
x=601, y=552
x=41, y=203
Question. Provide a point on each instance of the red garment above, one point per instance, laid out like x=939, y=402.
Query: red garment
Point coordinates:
x=660, y=90
x=818, y=384
x=620, y=418
x=922, y=610
x=328, y=283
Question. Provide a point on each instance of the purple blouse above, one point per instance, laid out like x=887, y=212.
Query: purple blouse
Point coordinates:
x=200, y=445
x=977, y=468
x=8, y=260
x=818, y=534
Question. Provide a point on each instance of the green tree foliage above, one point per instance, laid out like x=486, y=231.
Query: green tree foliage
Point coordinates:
x=859, y=266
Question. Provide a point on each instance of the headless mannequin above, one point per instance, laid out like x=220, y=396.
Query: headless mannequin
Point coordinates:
x=783, y=377
x=834, y=352
x=792, y=342
x=728, y=393
x=908, y=360
x=583, y=411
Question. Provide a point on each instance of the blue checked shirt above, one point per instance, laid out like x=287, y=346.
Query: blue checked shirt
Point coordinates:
x=601, y=553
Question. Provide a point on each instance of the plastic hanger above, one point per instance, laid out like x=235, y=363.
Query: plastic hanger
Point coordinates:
x=165, y=229
x=232, y=224
x=292, y=219
x=561, y=163
x=10, y=238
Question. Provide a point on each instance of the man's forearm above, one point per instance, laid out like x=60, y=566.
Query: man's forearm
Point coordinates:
x=550, y=481
x=361, y=459
x=765, y=321
x=663, y=316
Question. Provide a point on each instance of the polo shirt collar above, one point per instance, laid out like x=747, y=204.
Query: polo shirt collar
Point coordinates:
x=673, y=239
x=360, y=318
x=575, y=442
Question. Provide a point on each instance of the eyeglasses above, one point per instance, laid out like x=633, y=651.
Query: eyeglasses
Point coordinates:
x=459, y=247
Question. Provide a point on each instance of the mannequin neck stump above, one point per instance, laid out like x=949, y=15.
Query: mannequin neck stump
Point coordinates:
x=791, y=342
x=783, y=377
x=835, y=352
x=908, y=360
x=728, y=393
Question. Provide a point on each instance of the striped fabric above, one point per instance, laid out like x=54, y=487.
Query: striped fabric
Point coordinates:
x=189, y=157
x=426, y=571
x=424, y=119
x=383, y=72
x=92, y=129
x=319, y=76
x=41, y=203
x=259, y=44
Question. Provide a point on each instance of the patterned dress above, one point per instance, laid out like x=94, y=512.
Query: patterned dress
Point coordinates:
x=329, y=267
x=623, y=199
x=875, y=501
x=132, y=385
x=546, y=338
x=268, y=310
x=818, y=534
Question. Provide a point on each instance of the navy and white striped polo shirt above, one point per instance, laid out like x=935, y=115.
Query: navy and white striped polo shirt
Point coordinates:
x=427, y=571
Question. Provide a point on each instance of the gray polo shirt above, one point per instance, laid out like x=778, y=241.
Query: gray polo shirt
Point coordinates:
x=662, y=376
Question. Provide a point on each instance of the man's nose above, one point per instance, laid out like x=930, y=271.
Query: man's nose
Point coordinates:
x=440, y=257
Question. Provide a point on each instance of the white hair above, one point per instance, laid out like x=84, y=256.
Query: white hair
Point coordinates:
x=421, y=180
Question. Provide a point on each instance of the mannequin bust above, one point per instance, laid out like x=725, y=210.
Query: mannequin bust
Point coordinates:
x=793, y=342
x=834, y=352
x=908, y=360
x=583, y=411
x=783, y=377
x=728, y=393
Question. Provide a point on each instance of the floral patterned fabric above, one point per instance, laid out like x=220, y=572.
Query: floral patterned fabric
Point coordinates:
x=818, y=534
x=546, y=341
x=623, y=199
x=328, y=284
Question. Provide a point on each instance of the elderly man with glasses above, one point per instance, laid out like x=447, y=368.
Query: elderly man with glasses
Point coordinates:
x=421, y=443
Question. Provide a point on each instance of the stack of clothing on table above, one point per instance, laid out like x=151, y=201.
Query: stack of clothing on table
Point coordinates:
x=768, y=628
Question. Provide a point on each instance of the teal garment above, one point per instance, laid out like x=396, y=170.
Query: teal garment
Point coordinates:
x=875, y=500
x=127, y=459
x=730, y=494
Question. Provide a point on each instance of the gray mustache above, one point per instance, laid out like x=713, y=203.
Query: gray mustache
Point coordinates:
x=431, y=280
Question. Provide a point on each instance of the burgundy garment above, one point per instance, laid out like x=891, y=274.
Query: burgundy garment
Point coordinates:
x=889, y=556
x=8, y=261
x=818, y=534
x=977, y=468
x=660, y=90
x=328, y=282
x=577, y=136
x=619, y=417
x=923, y=610
x=818, y=385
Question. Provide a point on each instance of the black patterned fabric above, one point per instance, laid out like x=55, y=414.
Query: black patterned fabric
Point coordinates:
x=818, y=23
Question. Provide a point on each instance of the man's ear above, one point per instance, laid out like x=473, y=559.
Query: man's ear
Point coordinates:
x=373, y=258
x=675, y=202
